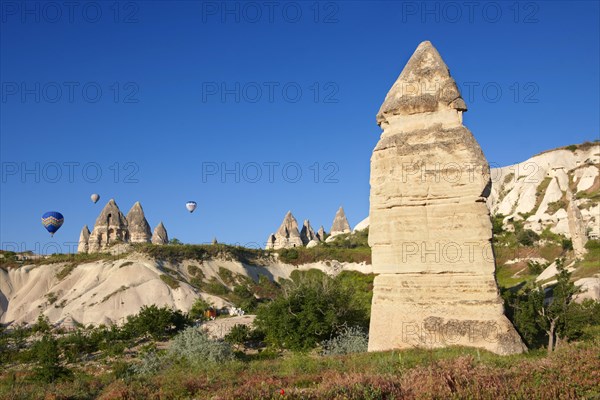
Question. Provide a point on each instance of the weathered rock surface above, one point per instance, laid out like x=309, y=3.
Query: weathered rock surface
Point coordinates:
x=160, y=235
x=139, y=229
x=84, y=237
x=321, y=233
x=340, y=223
x=287, y=235
x=362, y=225
x=539, y=187
x=430, y=229
x=589, y=287
x=110, y=227
x=307, y=233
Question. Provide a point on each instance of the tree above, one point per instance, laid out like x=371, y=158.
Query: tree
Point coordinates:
x=47, y=355
x=307, y=313
x=198, y=308
x=554, y=317
x=159, y=323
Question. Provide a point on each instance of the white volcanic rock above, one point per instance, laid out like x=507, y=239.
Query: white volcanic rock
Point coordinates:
x=110, y=228
x=307, y=234
x=518, y=188
x=287, y=235
x=340, y=224
x=312, y=243
x=590, y=289
x=160, y=235
x=139, y=229
x=430, y=230
x=362, y=225
x=84, y=237
x=321, y=233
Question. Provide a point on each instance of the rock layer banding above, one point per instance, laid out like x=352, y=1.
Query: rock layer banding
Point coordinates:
x=430, y=229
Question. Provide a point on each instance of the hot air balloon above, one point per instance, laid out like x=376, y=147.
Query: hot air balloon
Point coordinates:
x=191, y=206
x=95, y=197
x=52, y=221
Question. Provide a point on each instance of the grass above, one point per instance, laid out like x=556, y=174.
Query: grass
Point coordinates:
x=453, y=372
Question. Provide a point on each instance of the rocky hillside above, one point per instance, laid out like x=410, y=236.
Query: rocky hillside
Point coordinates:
x=557, y=190
x=105, y=288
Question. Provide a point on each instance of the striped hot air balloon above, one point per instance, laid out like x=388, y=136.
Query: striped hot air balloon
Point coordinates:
x=191, y=206
x=52, y=221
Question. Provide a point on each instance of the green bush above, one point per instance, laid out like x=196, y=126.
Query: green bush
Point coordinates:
x=46, y=354
x=349, y=340
x=592, y=244
x=150, y=362
x=239, y=334
x=309, y=312
x=195, y=347
x=198, y=308
x=159, y=323
x=527, y=237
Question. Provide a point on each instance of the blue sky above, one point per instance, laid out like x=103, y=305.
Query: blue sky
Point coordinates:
x=154, y=100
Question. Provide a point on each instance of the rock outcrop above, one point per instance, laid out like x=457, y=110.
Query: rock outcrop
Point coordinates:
x=139, y=229
x=321, y=233
x=84, y=238
x=536, y=191
x=160, y=235
x=287, y=235
x=113, y=227
x=340, y=224
x=307, y=234
x=110, y=227
x=430, y=229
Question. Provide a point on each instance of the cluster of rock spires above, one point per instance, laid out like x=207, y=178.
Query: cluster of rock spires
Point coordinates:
x=113, y=227
x=430, y=230
x=288, y=235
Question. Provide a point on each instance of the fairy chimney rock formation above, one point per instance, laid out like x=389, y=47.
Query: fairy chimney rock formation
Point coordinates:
x=139, y=229
x=430, y=229
x=287, y=235
x=84, y=238
x=321, y=233
x=110, y=227
x=160, y=235
x=340, y=224
x=307, y=233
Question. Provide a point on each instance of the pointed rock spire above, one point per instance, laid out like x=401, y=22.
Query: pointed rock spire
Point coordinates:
x=340, y=223
x=321, y=233
x=160, y=235
x=424, y=86
x=84, y=237
x=110, y=227
x=307, y=233
x=287, y=235
x=139, y=229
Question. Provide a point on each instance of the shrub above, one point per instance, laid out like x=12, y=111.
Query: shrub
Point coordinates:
x=65, y=271
x=170, y=281
x=195, y=347
x=149, y=363
x=159, y=323
x=572, y=147
x=349, y=340
x=527, y=237
x=46, y=353
x=535, y=268
x=308, y=313
x=198, y=308
x=567, y=244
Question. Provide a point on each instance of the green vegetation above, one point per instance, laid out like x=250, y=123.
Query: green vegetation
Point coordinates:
x=349, y=247
x=65, y=271
x=311, y=309
x=170, y=281
x=177, y=253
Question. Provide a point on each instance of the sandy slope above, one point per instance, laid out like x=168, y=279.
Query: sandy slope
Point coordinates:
x=107, y=291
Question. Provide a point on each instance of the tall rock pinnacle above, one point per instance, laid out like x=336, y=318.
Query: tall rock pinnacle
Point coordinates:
x=84, y=238
x=430, y=230
x=287, y=235
x=307, y=233
x=160, y=235
x=139, y=229
x=110, y=227
x=340, y=224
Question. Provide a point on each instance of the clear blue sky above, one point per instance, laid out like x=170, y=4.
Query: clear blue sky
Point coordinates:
x=187, y=87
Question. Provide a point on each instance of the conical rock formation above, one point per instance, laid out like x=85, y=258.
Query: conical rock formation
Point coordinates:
x=287, y=235
x=307, y=233
x=430, y=229
x=340, y=224
x=139, y=229
x=110, y=227
x=84, y=238
x=160, y=235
